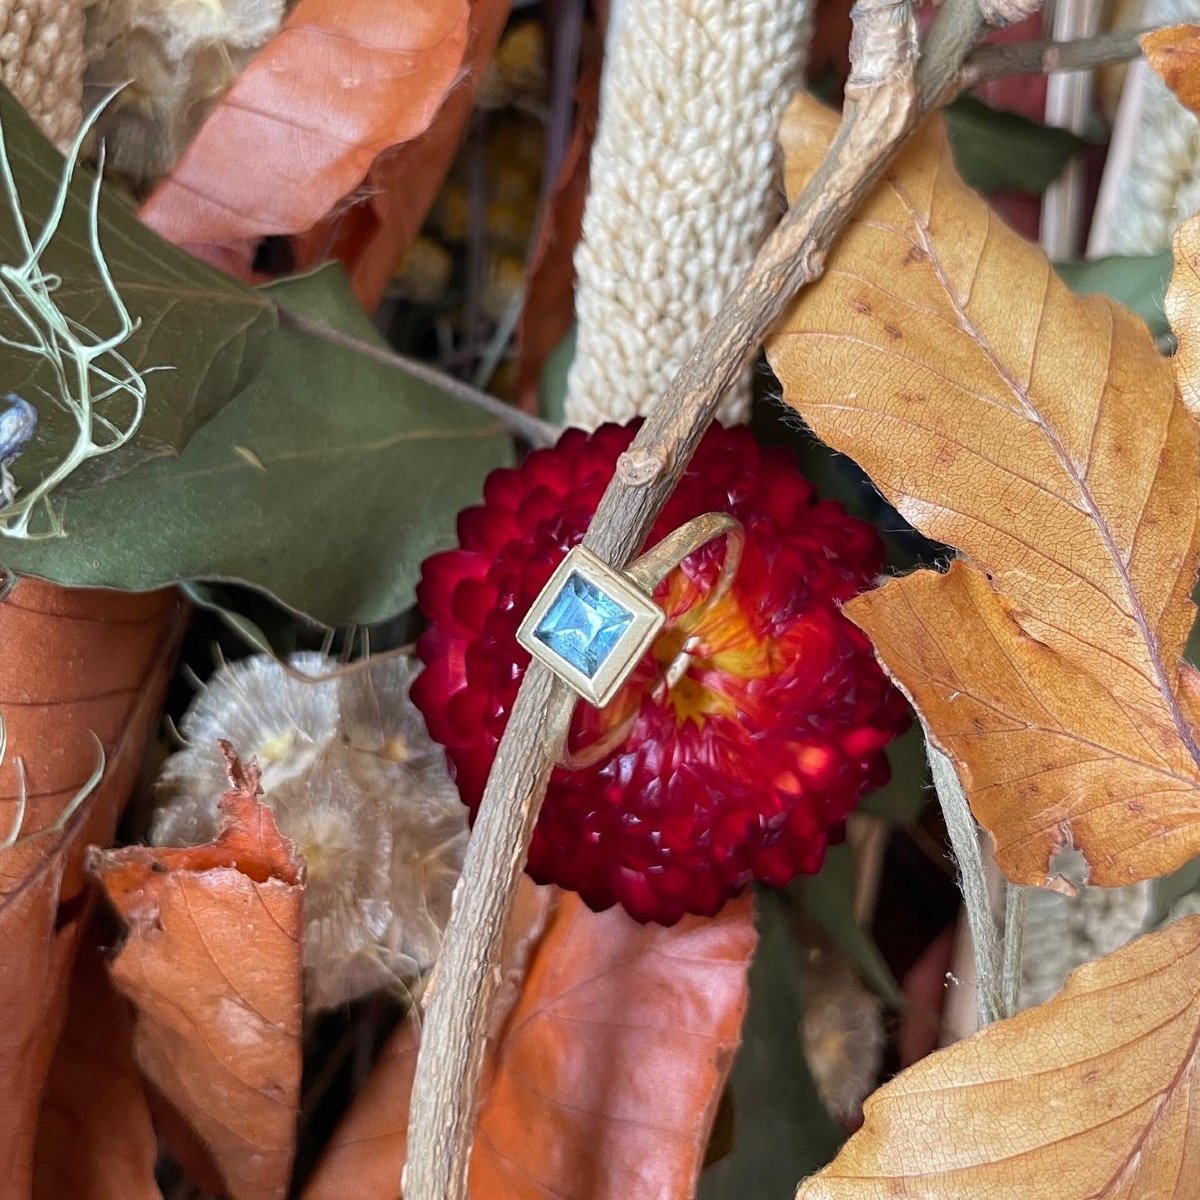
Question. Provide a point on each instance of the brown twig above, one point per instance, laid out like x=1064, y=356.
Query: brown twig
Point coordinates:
x=887, y=94
x=1044, y=58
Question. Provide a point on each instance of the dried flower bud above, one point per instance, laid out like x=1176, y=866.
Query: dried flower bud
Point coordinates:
x=842, y=1031
x=18, y=424
x=173, y=59
x=356, y=784
x=268, y=716
x=503, y=287
x=424, y=274
x=517, y=72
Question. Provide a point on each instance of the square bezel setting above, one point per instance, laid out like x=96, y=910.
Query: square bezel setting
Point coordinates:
x=590, y=625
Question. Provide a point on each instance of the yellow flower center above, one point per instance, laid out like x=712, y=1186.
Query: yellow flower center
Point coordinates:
x=707, y=652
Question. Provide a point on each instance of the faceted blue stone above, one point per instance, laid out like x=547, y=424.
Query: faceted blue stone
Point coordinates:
x=583, y=624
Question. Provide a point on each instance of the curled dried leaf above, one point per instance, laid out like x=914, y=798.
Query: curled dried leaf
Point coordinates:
x=550, y=275
x=211, y=962
x=1041, y=434
x=75, y=664
x=95, y=1137
x=616, y=1051
x=340, y=83
x=372, y=231
x=1086, y=1095
x=1174, y=53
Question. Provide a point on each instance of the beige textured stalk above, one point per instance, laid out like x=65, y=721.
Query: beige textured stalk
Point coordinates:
x=683, y=189
x=1064, y=932
x=41, y=62
x=1159, y=185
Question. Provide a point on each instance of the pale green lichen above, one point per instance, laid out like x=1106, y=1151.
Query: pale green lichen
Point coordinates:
x=88, y=369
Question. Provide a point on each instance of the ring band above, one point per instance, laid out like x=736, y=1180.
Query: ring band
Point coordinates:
x=591, y=623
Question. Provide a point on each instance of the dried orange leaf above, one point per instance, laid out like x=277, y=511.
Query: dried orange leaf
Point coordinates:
x=1174, y=53
x=95, y=1137
x=371, y=234
x=341, y=82
x=212, y=964
x=1086, y=1095
x=604, y=1080
x=76, y=663
x=1182, y=307
x=550, y=276
x=1041, y=434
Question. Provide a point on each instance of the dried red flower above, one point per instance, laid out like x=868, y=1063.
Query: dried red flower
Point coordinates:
x=748, y=764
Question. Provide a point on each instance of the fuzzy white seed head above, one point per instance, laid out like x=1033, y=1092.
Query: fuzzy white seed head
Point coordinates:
x=174, y=60
x=358, y=786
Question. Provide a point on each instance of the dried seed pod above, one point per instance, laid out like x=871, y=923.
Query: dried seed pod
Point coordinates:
x=517, y=73
x=173, y=60
x=424, y=273
x=355, y=782
x=1160, y=186
x=42, y=62
x=282, y=724
x=842, y=1031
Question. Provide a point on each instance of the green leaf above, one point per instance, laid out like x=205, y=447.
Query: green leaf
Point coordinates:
x=828, y=899
x=1137, y=281
x=901, y=799
x=781, y=1131
x=1173, y=895
x=208, y=598
x=324, y=483
x=998, y=151
x=209, y=332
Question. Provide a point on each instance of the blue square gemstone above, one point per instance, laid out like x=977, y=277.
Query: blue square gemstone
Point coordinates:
x=583, y=624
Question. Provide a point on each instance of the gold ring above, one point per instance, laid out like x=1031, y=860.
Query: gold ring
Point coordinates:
x=591, y=623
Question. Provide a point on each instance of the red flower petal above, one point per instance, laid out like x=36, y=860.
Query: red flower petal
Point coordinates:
x=746, y=767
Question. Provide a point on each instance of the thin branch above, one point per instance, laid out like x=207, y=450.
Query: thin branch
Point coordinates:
x=1044, y=58
x=959, y=26
x=1012, y=941
x=533, y=429
x=964, y=841
x=883, y=105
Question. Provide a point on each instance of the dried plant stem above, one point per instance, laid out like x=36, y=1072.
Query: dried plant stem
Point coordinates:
x=1044, y=58
x=964, y=841
x=533, y=429
x=885, y=98
x=1012, y=942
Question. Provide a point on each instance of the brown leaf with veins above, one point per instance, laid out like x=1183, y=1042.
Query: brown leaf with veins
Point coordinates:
x=606, y=1076
x=1174, y=53
x=82, y=671
x=211, y=962
x=1088, y=1095
x=1181, y=306
x=1040, y=433
x=340, y=83
x=371, y=233
x=95, y=1137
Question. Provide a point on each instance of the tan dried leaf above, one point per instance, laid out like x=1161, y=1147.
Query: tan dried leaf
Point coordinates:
x=1182, y=307
x=95, y=1137
x=603, y=1080
x=73, y=663
x=1088, y=1095
x=1174, y=53
x=342, y=81
x=1041, y=434
x=212, y=964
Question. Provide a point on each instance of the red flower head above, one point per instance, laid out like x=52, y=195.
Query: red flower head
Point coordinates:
x=744, y=765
